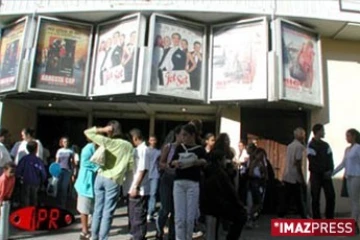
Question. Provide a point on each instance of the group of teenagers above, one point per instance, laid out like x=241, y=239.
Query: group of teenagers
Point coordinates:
x=198, y=182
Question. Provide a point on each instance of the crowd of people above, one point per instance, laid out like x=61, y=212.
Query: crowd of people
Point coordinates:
x=201, y=182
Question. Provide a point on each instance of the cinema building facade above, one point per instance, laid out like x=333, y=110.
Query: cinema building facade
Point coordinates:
x=253, y=69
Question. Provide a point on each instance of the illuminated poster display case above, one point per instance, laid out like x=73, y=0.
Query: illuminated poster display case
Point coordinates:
x=62, y=57
x=177, y=63
x=300, y=70
x=239, y=60
x=11, y=54
x=115, y=58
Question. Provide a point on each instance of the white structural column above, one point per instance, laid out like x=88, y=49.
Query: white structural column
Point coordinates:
x=230, y=124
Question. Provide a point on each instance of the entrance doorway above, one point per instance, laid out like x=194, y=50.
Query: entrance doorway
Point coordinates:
x=273, y=131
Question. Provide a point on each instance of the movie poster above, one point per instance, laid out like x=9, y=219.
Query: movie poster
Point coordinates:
x=239, y=60
x=115, y=57
x=62, y=57
x=178, y=58
x=10, y=55
x=300, y=64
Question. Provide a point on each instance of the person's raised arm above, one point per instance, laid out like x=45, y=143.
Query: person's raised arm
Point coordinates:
x=95, y=135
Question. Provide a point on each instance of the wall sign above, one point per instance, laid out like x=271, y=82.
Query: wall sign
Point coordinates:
x=178, y=54
x=115, y=58
x=61, y=61
x=300, y=70
x=41, y=218
x=239, y=60
x=11, y=50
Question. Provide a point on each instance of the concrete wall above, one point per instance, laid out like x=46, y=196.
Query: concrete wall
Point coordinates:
x=342, y=72
x=15, y=117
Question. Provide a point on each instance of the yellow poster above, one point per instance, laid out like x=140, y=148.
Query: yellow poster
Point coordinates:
x=61, y=57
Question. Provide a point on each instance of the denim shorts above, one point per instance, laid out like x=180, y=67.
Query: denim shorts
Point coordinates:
x=85, y=205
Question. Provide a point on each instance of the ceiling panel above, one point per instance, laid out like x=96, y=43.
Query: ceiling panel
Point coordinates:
x=351, y=32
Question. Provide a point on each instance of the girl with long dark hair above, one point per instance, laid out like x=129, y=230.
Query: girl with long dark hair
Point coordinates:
x=188, y=160
x=351, y=163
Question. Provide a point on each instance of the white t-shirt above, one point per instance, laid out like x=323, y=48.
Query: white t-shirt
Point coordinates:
x=153, y=154
x=243, y=156
x=22, y=151
x=4, y=155
x=64, y=155
x=141, y=163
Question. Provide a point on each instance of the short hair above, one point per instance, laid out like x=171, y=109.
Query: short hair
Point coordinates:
x=317, y=127
x=297, y=131
x=184, y=40
x=117, y=132
x=3, y=132
x=9, y=165
x=135, y=132
x=197, y=42
x=116, y=33
x=29, y=131
x=31, y=147
x=176, y=34
x=152, y=136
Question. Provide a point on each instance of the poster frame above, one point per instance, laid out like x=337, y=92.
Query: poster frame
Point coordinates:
x=261, y=20
x=140, y=41
x=343, y=8
x=151, y=39
x=278, y=47
x=34, y=55
x=26, y=20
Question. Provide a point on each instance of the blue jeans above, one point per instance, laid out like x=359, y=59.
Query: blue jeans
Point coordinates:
x=106, y=196
x=152, y=201
x=63, y=187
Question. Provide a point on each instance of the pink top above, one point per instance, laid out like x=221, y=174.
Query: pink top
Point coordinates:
x=6, y=187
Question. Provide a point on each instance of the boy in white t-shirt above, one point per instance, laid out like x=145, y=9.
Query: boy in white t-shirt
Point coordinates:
x=139, y=190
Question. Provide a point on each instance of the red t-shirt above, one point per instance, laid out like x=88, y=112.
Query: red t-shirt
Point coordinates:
x=6, y=187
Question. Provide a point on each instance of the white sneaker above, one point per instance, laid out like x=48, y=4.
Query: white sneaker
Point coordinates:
x=197, y=234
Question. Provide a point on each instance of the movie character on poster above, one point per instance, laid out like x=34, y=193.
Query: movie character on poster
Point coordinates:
x=114, y=67
x=301, y=70
x=10, y=53
x=61, y=57
x=299, y=52
x=239, y=57
x=177, y=59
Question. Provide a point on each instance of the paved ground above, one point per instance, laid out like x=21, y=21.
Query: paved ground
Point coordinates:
x=119, y=231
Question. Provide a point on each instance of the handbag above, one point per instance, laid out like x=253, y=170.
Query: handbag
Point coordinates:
x=344, y=191
x=187, y=159
x=99, y=156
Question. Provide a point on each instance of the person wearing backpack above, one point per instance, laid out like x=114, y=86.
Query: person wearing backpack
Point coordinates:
x=188, y=160
x=32, y=173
